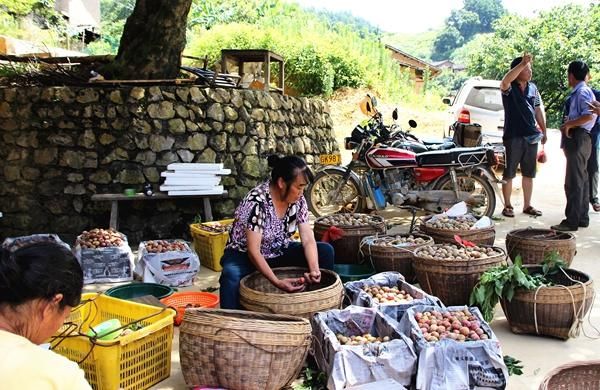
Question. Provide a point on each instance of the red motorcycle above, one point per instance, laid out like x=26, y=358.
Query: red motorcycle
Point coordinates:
x=405, y=175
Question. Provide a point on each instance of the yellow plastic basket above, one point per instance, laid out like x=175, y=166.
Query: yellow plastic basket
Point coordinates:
x=135, y=361
x=210, y=245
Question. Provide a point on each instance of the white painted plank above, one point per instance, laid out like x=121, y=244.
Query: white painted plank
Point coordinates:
x=195, y=166
x=192, y=188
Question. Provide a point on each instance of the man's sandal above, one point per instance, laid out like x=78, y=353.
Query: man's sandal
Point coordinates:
x=508, y=212
x=532, y=211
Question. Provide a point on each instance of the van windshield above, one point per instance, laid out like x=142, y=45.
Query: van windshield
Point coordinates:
x=487, y=98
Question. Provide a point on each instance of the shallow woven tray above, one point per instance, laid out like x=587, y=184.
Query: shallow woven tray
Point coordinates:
x=534, y=244
x=391, y=258
x=485, y=236
x=552, y=307
x=236, y=349
x=258, y=294
x=580, y=375
x=453, y=280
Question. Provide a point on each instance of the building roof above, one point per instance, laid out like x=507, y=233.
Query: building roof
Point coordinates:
x=412, y=61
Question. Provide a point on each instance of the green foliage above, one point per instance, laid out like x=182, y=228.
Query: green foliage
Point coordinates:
x=555, y=38
x=445, y=43
x=323, y=53
x=477, y=16
x=488, y=12
x=113, y=17
x=17, y=7
x=501, y=282
x=467, y=23
x=514, y=366
x=419, y=45
x=311, y=73
x=448, y=81
x=312, y=380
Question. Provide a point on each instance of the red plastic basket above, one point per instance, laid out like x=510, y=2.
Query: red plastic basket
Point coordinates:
x=180, y=300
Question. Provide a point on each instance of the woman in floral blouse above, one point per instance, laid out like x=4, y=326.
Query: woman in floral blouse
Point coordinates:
x=260, y=238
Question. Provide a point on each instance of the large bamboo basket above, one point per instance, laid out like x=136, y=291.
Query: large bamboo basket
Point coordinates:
x=453, y=280
x=580, y=375
x=347, y=248
x=554, y=309
x=241, y=350
x=534, y=244
x=258, y=294
x=484, y=236
x=393, y=258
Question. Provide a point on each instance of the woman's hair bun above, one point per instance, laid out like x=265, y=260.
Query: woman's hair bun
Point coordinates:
x=273, y=159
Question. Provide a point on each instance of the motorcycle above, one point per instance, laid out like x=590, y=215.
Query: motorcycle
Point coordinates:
x=411, y=173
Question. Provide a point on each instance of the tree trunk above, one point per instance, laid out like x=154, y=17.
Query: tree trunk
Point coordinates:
x=152, y=41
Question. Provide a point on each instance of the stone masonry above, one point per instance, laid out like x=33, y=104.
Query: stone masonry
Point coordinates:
x=60, y=145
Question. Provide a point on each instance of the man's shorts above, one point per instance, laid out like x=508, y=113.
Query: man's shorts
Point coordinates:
x=520, y=152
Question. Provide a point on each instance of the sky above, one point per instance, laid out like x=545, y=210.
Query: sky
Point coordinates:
x=411, y=16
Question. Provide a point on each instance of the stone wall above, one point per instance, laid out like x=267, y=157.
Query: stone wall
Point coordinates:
x=60, y=145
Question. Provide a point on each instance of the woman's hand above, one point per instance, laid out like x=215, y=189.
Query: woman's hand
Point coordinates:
x=313, y=277
x=290, y=285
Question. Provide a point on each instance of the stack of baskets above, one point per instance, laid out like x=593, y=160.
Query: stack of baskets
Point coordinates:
x=534, y=244
x=242, y=350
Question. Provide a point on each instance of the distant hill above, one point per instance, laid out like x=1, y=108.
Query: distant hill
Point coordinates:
x=419, y=45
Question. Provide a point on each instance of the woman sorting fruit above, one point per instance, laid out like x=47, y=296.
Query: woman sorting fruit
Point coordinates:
x=260, y=238
x=40, y=282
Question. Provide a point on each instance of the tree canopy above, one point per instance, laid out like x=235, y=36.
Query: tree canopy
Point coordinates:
x=555, y=38
x=476, y=16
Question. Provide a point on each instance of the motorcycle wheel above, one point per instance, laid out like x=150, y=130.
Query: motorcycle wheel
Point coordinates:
x=477, y=186
x=326, y=195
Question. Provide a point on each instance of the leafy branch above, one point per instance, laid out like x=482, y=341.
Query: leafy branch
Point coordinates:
x=514, y=366
x=501, y=282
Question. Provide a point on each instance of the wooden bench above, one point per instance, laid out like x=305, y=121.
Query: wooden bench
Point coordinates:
x=115, y=198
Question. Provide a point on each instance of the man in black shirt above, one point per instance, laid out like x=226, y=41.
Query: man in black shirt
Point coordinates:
x=522, y=109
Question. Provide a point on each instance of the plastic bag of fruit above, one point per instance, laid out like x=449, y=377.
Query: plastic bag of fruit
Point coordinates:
x=359, y=345
x=168, y=262
x=104, y=255
x=457, y=349
x=389, y=293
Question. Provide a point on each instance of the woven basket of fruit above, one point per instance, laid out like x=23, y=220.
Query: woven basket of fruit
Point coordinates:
x=443, y=229
x=450, y=272
x=235, y=349
x=553, y=309
x=534, y=244
x=394, y=252
x=354, y=227
x=258, y=294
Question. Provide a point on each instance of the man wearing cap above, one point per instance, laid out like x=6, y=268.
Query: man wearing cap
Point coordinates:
x=522, y=110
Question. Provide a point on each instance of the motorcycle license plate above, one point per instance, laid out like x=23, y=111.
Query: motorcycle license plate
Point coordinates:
x=330, y=159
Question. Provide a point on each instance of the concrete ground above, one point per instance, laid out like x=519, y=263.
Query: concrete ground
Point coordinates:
x=538, y=354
